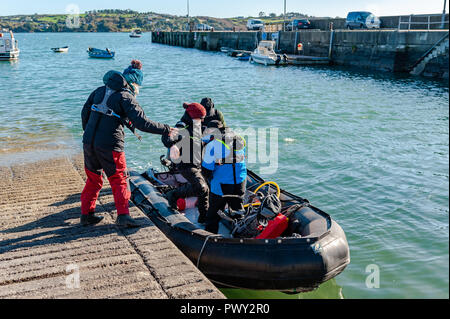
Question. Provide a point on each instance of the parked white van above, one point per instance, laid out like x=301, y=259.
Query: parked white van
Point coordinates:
x=254, y=24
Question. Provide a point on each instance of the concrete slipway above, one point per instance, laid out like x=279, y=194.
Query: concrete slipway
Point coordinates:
x=43, y=247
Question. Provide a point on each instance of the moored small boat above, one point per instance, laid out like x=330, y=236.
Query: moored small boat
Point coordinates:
x=101, y=54
x=60, y=50
x=134, y=34
x=9, y=49
x=312, y=250
x=265, y=54
x=236, y=53
x=243, y=56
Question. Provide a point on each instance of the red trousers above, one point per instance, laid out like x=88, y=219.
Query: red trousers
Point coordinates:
x=115, y=167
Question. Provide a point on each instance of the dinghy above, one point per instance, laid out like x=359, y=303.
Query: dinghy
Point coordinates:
x=60, y=50
x=101, y=54
x=243, y=56
x=311, y=250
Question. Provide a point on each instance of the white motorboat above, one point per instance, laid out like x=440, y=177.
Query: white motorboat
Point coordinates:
x=9, y=49
x=265, y=54
x=135, y=34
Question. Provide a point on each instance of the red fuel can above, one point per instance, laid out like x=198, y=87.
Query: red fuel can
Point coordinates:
x=274, y=228
x=186, y=203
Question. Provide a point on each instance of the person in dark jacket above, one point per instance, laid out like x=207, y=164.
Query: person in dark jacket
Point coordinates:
x=186, y=154
x=212, y=114
x=107, y=110
x=224, y=162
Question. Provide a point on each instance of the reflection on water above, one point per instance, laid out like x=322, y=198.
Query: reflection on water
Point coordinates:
x=328, y=290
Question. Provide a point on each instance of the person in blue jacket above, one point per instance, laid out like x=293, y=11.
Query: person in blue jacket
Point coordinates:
x=224, y=164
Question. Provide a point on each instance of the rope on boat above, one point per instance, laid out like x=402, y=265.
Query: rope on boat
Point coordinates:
x=203, y=247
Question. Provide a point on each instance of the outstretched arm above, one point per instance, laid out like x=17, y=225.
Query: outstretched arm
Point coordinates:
x=171, y=139
x=137, y=116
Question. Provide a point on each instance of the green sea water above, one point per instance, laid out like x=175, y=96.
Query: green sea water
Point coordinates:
x=369, y=148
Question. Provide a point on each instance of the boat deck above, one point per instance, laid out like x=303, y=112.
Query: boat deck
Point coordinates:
x=43, y=246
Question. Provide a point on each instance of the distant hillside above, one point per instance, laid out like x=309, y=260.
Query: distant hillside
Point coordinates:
x=112, y=20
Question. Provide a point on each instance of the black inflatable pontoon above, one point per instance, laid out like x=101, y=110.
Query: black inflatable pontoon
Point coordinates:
x=294, y=262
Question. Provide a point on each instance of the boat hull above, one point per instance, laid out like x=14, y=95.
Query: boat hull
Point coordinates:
x=262, y=59
x=244, y=58
x=284, y=264
x=101, y=55
x=8, y=56
x=60, y=50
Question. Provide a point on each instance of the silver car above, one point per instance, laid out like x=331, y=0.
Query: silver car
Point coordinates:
x=362, y=20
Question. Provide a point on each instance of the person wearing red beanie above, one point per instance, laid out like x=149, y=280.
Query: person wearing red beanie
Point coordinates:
x=189, y=162
x=195, y=110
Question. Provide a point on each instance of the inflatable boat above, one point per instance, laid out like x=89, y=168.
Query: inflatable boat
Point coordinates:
x=311, y=250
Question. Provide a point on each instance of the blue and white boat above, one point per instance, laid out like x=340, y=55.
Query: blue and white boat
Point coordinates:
x=243, y=56
x=101, y=54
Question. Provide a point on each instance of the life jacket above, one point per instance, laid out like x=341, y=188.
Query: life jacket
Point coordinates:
x=236, y=154
x=103, y=108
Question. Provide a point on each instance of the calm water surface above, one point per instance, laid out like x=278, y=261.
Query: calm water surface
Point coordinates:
x=371, y=149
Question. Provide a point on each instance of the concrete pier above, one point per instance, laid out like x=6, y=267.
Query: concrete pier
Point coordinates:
x=43, y=248
x=386, y=50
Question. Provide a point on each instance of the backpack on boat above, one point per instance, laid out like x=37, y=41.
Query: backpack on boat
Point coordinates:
x=257, y=218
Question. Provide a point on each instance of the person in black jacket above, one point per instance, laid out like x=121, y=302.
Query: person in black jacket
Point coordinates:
x=107, y=110
x=186, y=153
x=212, y=114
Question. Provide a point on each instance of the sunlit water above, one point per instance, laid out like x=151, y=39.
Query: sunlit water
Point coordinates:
x=371, y=149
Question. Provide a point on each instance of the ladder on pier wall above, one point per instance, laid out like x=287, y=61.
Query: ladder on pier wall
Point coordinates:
x=439, y=48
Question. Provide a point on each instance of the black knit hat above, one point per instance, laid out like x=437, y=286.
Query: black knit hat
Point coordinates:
x=208, y=103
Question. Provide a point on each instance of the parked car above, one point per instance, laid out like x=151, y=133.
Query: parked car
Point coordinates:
x=362, y=20
x=298, y=24
x=253, y=24
x=203, y=27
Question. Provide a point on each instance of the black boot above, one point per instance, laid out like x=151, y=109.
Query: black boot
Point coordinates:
x=203, y=205
x=201, y=218
x=126, y=221
x=172, y=199
x=90, y=219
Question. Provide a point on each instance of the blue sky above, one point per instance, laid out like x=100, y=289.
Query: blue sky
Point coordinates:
x=229, y=8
